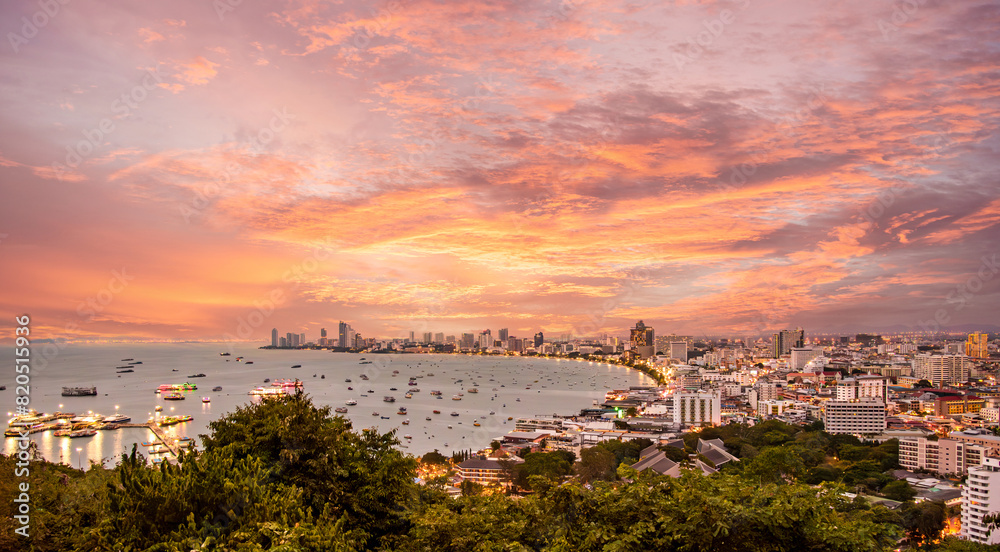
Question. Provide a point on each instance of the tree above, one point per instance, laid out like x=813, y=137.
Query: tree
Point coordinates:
x=596, y=463
x=923, y=521
x=434, y=457
x=900, y=491
x=551, y=465
x=923, y=384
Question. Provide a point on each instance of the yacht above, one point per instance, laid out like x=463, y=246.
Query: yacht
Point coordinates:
x=351, y=402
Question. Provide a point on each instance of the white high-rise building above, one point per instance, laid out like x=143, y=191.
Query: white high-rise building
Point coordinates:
x=679, y=350
x=699, y=408
x=855, y=417
x=863, y=386
x=980, y=498
x=941, y=369
x=801, y=357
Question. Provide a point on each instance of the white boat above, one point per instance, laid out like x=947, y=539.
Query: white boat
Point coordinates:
x=351, y=402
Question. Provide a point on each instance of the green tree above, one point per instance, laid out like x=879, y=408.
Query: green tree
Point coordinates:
x=899, y=490
x=596, y=463
x=923, y=521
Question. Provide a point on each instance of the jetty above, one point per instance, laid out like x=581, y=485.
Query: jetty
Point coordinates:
x=161, y=436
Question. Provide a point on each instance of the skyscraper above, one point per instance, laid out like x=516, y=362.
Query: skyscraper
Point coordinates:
x=941, y=369
x=783, y=341
x=503, y=334
x=641, y=340
x=975, y=345
x=539, y=339
x=322, y=332
x=274, y=337
x=344, y=337
x=679, y=350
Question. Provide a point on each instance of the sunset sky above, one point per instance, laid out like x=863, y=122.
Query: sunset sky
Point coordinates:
x=172, y=169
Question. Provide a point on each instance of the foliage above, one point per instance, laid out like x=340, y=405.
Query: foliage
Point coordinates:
x=900, y=491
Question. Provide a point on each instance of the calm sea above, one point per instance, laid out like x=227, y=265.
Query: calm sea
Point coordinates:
x=556, y=387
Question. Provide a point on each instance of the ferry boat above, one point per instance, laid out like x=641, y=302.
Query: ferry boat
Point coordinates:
x=117, y=419
x=278, y=387
x=173, y=420
x=351, y=402
x=79, y=391
x=177, y=387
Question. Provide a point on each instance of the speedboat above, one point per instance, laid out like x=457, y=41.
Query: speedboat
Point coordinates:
x=206, y=399
x=351, y=402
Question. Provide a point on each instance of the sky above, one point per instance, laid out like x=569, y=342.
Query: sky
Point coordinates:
x=197, y=170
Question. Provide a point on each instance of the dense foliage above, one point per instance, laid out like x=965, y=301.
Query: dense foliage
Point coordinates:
x=285, y=475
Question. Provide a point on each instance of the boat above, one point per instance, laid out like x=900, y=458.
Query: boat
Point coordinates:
x=389, y=399
x=456, y=398
x=351, y=402
x=177, y=387
x=158, y=408
x=402, y=410
x=267, y=380
x=509, y=418
x=249, y=362
x=136, y=362
x=340, y=410
x=117, y=419
x=384, y=417
x=348, y=380
x=82, y=433
x=428, y=418
x=79, y=391
x=429, y=374
x=454, y=413
x=173, y=397
x=437, y=411
x=127, y=359
x=224, y=354
x=407, y=436
x=393, y=389
x=129, y=367
x=406, y=422
x=197, y=376
x=364, y=377
x=375, y=414
x=477, y=424
x=408, y=396
x=322, y=376
x=125, y=371
x=297, y=366
x=217, y=388
x=206, y=399
x=473, y=390
x=365, y=362
x=411, y=382
x=435, y=393
x=173, y=420
x=149, y=443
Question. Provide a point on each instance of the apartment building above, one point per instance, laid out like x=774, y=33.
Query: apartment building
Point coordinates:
x=857, y=416
x=981, y=498
x=943, y=456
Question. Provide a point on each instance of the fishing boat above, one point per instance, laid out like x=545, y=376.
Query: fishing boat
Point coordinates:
x=402, y=410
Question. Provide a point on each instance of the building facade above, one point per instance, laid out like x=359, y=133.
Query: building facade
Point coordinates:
x=855, y=417
x=981, y=498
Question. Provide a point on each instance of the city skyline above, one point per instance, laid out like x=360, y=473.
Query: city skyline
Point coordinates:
x=180, y=172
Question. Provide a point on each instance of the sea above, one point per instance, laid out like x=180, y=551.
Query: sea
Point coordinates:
x=509, y=387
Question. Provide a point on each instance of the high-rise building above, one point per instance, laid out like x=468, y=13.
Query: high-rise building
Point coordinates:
x=485, y=339
x=679, y=350
x=322, y=332
x=641, y=340
x=976, y=345
x=699, y=408
x=289, y=341
x=428, y=337
x=503, y=334
x=863, y=386
x=856, y=417
x=283, y=342
x=981, y=498
x=539, y=339
x=941, y=369
x=783, y=341
x=302, y=339
x=468, y=341
x=274, y=337
x=343, y=334
x=802, y=355
x=439, y=338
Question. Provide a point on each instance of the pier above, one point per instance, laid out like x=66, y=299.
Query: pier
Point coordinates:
x=161, y=435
